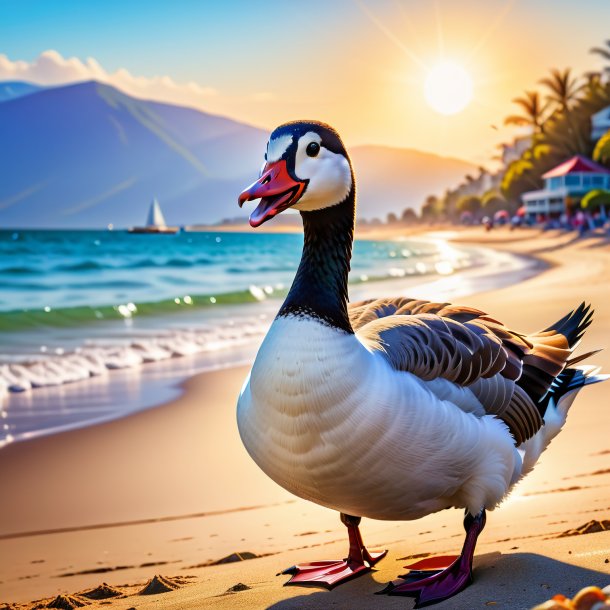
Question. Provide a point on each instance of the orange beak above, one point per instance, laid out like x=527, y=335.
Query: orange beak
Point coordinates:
x=277, y=191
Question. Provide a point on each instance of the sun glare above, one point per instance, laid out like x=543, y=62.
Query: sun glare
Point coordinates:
x=448, y=88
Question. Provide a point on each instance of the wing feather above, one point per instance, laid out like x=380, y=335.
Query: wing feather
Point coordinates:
x=506, y=371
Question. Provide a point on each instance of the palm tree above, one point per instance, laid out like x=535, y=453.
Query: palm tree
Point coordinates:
x=596, y=94
x=603, y=52
x=533, y=112
x=563, y=89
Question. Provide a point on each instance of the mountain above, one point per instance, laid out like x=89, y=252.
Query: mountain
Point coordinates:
x=86, y=154
x=10, y=90
x=391, y=179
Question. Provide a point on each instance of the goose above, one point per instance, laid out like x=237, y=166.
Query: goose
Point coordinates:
x=390, y=408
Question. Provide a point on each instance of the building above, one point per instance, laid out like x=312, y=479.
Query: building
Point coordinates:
x=514, y=152
x=564, y=185
x=485, y=181
x=600, y=123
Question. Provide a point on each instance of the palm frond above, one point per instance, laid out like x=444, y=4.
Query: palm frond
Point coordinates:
x=516, y=120
x=605, y=53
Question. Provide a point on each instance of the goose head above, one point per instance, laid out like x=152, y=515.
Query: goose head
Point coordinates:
x=306, y=167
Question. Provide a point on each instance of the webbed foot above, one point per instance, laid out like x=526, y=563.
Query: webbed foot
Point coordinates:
x=334, y=572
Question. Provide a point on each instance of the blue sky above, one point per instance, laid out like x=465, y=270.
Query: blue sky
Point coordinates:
x=187, y=39
x=358, y=64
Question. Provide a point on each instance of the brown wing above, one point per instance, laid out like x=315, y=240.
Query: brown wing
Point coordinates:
x=474, y=320
x=508, y=372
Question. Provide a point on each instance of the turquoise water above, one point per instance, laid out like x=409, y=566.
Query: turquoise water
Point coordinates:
x=65, y=278
x=89, y=308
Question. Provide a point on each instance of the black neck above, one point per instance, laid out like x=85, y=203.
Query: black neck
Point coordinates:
x=319, y=289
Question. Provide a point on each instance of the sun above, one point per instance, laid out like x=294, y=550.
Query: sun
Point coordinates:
x=448, y=88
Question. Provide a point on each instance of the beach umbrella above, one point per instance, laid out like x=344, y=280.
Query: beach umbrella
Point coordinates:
x=466, y=217
x=501, y=215
x=521, y=211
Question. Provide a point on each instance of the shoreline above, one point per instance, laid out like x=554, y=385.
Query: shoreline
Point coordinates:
x=152, y=355
x=164, y=467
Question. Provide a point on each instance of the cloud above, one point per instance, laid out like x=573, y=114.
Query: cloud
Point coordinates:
x=51, y=68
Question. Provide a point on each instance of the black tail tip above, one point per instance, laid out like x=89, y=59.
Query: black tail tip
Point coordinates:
x=574, y=324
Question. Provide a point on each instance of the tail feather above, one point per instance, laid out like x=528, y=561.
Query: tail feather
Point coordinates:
x=552, y=351
x=572, y=378
x=556, y=404
x=577, y=359
x=574, y=324
x=555, y=390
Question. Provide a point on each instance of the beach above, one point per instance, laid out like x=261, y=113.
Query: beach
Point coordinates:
x=170, y=490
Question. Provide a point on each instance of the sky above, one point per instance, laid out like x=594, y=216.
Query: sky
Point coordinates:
x=359, y=65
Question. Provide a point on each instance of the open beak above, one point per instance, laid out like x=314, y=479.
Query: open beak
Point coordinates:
x=276, y=189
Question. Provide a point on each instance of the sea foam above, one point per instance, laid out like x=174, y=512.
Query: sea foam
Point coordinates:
x=93, y=359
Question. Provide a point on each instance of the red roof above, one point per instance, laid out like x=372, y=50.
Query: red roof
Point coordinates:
x=576, y=164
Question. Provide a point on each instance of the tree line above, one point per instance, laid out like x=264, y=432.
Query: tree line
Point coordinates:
x=558, y=114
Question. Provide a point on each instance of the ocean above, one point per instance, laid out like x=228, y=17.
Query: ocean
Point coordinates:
x=89, y=308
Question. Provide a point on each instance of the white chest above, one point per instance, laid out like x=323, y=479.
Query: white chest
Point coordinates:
x=300, y=397
x=316, y=413
x=301, y=385
x=333, y=423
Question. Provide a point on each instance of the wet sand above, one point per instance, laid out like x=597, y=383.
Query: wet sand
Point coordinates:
x=169, y=490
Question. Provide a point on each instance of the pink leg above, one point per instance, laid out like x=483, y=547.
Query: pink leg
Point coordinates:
x=330, y=573
x=435, y=584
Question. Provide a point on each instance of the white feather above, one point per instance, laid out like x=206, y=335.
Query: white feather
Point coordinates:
x=554, y=419
x=329, y=175
x=334, y=423
x=277, y=147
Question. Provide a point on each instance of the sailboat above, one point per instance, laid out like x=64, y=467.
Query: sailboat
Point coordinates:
x=155, y=223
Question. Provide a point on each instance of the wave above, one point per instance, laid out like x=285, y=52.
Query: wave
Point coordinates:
x=89, y=360
x=92, y=361
x=261, y=269
x=109, y=284
x=92, y=265
x=27, y=286
x=83, y=266
x=145, y=263
x=20, y=271
x=82, y=315
x=172, y=262
x=181, y=262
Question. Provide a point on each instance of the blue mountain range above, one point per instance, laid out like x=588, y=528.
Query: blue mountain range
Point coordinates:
x=10, y=90
x=86, y=155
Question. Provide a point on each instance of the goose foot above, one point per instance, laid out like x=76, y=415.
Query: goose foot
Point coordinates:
x=429, y=582
x=331, y=573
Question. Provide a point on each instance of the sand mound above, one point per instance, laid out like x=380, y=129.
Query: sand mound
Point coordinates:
x=591, y=527
x=66, y=602
x=104, y=591
x=238, y=587
x=233, y=557
x=160, y=584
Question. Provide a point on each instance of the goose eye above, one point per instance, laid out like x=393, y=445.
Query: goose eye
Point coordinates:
x=312, y=150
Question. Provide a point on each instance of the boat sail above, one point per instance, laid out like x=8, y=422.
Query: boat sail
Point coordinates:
x=155, y=223
x=155, y=215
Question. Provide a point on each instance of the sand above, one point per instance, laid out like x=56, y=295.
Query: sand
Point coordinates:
x=170, y=491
